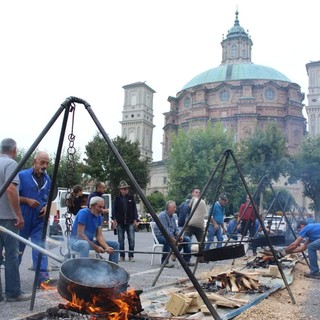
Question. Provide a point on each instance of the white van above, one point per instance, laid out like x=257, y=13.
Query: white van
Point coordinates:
x=59, y=208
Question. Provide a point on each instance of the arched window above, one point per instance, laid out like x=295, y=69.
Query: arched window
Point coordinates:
x=133, y=99
x=234, y=50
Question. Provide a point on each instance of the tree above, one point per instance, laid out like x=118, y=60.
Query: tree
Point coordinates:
x=102, y=164
x=306, y=168
x=194, y=156
x=70, y=171
x=264, y=154
x=157, y=201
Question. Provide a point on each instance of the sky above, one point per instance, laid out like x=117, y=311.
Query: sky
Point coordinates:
x=51, y=50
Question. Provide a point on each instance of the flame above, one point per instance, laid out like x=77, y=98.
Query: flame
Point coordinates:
x=45, y=286
x=116, y=308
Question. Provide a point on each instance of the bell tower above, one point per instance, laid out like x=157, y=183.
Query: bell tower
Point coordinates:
x=137, y=116
x=313, y=107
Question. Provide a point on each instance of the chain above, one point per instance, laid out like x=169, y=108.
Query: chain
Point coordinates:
x=71, y=150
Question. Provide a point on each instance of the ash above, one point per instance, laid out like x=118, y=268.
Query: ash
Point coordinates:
x=61, y=314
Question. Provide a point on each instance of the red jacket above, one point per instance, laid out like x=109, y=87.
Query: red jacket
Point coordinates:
x=245, y=215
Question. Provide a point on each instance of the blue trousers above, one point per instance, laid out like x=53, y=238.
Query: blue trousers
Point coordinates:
x=83, y=247
x=212, y=232
x=11, y=261
x=312, y=252
x=129, y=229
x=33, y=230
x=166, y=248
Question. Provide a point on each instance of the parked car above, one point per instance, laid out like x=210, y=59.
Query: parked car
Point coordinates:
x=278, y=223
x=59, y=208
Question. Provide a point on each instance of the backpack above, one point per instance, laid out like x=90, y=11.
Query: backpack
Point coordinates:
x=184, y=211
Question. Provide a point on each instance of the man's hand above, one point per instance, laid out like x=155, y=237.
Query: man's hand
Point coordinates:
x=99, y=249
x=33, y=203
x=20, y=223
x=43, y=212
x=109, y=250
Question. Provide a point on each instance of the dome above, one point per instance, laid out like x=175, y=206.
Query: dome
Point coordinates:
x=236, y=71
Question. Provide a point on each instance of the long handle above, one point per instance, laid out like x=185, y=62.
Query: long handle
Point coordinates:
x=31, y=244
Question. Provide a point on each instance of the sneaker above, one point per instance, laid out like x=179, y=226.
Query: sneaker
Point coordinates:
x=313, y=275
x=131, y=259
x=190, y=264
x=169, y=265
x=48, y=284
x=122, y=259
x=22, y=297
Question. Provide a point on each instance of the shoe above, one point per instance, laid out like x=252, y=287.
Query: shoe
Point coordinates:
x=190, y=264
x=48, y=284
x=313, y=275
x=131, y=259
x=122, y=259
x=22, y=297
x=169, y=265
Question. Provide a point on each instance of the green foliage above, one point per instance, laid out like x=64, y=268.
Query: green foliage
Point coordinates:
x=306, y=168
x=264, y=154
x=157, y=201
x=70, y=171
x=21, y=153
x=102, y=164
x=194, y=156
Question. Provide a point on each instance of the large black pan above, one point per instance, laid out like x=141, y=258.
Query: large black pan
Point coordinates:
x=92, y=281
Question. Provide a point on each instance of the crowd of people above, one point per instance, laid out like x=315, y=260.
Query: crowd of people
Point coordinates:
x=23, y=209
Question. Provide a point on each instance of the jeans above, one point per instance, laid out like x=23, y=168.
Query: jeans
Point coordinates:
x=212, y=232
x=312, y=252
x=129, y=229
x=83, y=247
x=166, y=248
x=11, y=263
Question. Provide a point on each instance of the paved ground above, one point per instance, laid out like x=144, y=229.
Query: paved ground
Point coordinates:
x=142, y=276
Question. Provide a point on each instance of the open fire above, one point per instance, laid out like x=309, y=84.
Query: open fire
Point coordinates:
x=116, y=307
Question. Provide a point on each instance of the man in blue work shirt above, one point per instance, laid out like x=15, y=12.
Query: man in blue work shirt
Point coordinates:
x=311, y=234
x=216, y=217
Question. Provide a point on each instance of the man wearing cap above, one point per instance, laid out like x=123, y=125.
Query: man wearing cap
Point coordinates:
x=125, y=219
x=216, y=217
x=311, y=234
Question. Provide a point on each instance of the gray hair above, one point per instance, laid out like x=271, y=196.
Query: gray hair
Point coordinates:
x=95, y=200
x=169, y=204
x=8, y=145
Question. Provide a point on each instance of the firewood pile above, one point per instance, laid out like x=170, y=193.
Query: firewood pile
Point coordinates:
x=234, y=281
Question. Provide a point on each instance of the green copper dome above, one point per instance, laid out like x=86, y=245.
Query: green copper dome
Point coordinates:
x=236, y=71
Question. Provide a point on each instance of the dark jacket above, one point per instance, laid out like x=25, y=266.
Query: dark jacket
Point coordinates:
x=124, y=213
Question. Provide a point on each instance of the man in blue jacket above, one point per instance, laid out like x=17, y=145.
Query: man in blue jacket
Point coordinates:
x=216, y=217
x=34, y=191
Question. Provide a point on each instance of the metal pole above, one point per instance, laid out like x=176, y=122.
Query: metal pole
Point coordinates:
x=154, y=215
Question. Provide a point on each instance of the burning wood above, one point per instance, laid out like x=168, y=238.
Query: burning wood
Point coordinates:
x=118, y=307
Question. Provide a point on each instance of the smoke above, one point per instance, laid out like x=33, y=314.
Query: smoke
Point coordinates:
x=94, y=273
